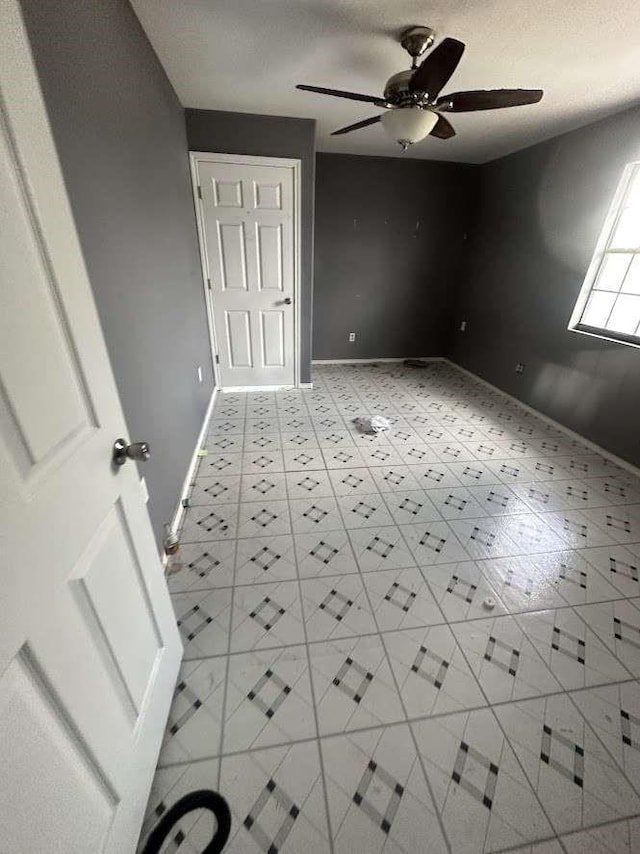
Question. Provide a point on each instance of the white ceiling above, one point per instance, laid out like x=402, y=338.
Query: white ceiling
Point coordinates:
x=247, y=56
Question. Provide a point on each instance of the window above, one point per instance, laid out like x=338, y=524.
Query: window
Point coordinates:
x=609, y=302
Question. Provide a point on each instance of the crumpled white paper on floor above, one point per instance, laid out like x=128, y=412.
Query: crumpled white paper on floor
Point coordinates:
x=377, y=424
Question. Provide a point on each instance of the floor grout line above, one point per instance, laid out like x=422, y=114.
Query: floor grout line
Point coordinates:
x=417, y=718
x=323, y=774
x=227, y=664
x=404, y=709
x=422, y=569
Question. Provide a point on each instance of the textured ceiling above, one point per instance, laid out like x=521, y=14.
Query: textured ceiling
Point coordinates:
x=247, y=56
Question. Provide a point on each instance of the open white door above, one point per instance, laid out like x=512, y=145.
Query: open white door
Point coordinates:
x=89, y=648
x=247, y=212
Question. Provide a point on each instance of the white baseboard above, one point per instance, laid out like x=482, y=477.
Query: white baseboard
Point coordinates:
x=375, y=361
x=177, y=516
x=229, y=389
x=547, y=418
x=305, y=385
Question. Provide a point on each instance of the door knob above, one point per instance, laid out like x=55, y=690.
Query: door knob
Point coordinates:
x=138, y=451
x=287, y=300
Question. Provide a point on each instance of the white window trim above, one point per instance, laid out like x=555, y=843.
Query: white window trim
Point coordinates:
x=606, y=234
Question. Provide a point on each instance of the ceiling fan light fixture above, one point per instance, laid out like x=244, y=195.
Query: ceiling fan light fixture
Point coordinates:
x=406, y=125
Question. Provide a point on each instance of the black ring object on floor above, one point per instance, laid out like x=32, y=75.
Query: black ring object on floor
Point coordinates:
x=203, y=799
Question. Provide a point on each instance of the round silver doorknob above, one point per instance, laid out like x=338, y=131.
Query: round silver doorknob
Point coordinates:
x=122, y=451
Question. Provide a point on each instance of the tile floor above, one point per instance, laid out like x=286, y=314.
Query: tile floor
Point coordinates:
x=426, y=640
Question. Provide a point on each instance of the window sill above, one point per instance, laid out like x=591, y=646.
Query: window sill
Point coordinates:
x=605, y=335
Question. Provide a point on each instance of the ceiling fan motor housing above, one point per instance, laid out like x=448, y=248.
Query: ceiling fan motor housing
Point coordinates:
x=396, y=89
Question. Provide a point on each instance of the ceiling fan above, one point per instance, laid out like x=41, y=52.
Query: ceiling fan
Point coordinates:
x=412, y=100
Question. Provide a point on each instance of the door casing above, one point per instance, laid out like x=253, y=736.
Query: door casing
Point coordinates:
x=196, y=157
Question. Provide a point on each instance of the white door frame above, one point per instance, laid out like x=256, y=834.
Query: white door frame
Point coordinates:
x=196, y=157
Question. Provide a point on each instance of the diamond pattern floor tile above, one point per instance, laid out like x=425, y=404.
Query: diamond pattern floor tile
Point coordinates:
x=215, y=463
x=258, y=518
x=270, y=486
x=620, y=565
x=431, y=671
x=262, y=443
x=364, y=511
x=205, y=523
x=315, y=514
x=433, y=543
x=336, y=607
x=277, y=801
x=456, y=502
x=268, y=699
x=381, y=456
x=308, y=484
x=203, y=621
x=613, y=712
x=201, y=566
x=504, y=660
x=401, y=599
x=342, y=458
x=575, y=778
x=353, y=684
x=296, y=440
x=395, y=478
x=377, y=794
x=574, y=653
x=266, y=615
x=303, y=459
x=261, y=560
x=462, y=591
x=223, y=489
x=434, y=475
x=525, y=583
x=617, y=624
x=497, y=500
x=348, y=482
x=324, y=553
x=195, y=718
x=422, y=639
x=381, y=548
x=485, y=800
x=411, y=507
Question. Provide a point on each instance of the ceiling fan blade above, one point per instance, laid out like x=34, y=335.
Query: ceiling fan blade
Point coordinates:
x=338, y=93
x=488, y=99
x=363, y=124
x=437, y=68
x=443, y=129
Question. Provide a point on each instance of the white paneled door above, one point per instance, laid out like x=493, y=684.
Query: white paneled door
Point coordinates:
x=89, y=649
x=248, y=235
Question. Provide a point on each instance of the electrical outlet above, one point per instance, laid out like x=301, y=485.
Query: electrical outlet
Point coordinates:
x=463, y=326
x=352, y=337
x=199, y=374
x=520, y=368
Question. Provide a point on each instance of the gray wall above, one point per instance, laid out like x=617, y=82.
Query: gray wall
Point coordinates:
x=119, y=130
x=541, y=213
x=269, y=136
x=390, y=235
